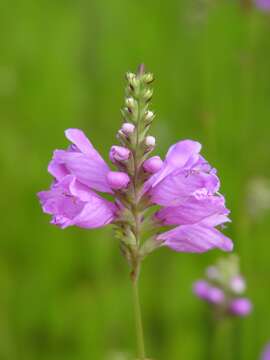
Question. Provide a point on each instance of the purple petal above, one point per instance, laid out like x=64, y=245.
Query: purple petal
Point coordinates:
x=266, y=353
x=89, y=170
x=178, y=156
x=78, y=138
x=82, y=161
x=178, y=186
x=193, y=211
x=263, y=4
x=71, y=203
x=195, y=238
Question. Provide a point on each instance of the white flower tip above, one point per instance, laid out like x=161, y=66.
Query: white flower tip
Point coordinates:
x=128, y=128
x=150, y=141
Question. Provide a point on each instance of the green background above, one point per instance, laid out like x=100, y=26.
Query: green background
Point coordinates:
x=66, y=294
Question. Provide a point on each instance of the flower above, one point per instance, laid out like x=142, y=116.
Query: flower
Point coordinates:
x=240, y=307
x=222, y=287
x=183, y=189
x=119, y=153
x=72, y=203
x=187, y=189
x=263, y=4
x=238, y=284
x=266, y=353
x=78, y=171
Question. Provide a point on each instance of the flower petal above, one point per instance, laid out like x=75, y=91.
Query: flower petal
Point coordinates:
x=71, y=203
x=89, y=170
x=181, y=184
x=78, y=138
x=195, y=239
x=96, y=213
x=193, y=211
x=178, y=156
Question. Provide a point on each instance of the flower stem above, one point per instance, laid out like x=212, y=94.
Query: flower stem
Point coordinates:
x=137, y=313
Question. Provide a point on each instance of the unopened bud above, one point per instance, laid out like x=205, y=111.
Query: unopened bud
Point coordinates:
x=149, y=115
x=148, y=78
x=128, y=128
x=201, y=288
x=153, y=164
x=130, y=102
x=215, y=295
x=130, y=76
x=150, y=141
x=119, y=153
x=240, y=307
x=212, y=273
x=238, y=284
x=148, y=94
x=117, y=180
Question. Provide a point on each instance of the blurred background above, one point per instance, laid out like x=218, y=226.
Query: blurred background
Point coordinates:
x=65, y=295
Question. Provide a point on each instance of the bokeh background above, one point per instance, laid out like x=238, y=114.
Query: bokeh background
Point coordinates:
x=65, y=295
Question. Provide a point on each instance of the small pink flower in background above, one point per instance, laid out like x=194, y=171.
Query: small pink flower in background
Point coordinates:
x=263, y=4
x=223, y=288
x=266, y=353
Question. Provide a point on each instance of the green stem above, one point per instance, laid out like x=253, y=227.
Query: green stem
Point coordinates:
x=137, y=313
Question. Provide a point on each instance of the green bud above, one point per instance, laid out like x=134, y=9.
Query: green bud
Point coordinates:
x=149, y=115
x=130, y=102
x=147, y=94
x=148, y=78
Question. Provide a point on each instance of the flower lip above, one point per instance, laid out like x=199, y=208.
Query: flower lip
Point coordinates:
x=117, y=180
x=72, y=203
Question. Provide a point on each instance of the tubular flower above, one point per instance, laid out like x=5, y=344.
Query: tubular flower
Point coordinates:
x=183, y=188
x=147, y=194
x=223, y=288
x=186, y=188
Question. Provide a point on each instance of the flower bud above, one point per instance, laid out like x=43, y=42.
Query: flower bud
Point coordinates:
x=117, y=180
x=201, y=288
x=212, y=273
x=119, y=153
x=130, y=102
x=130, y=76
x=149, y=115
x=238, y=284
x=148, y=78
x=128, y=128
x=240, y=307
x=215, y=295
x=147, y=95
x=150, y=141
x=153, y=164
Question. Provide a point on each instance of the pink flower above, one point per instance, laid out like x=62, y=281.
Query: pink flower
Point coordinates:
x=207, y=292
x=266, y=353
x=72, y=203
x=78, y=171
x=263, y=4
x=240, y=307
x=187, y=189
